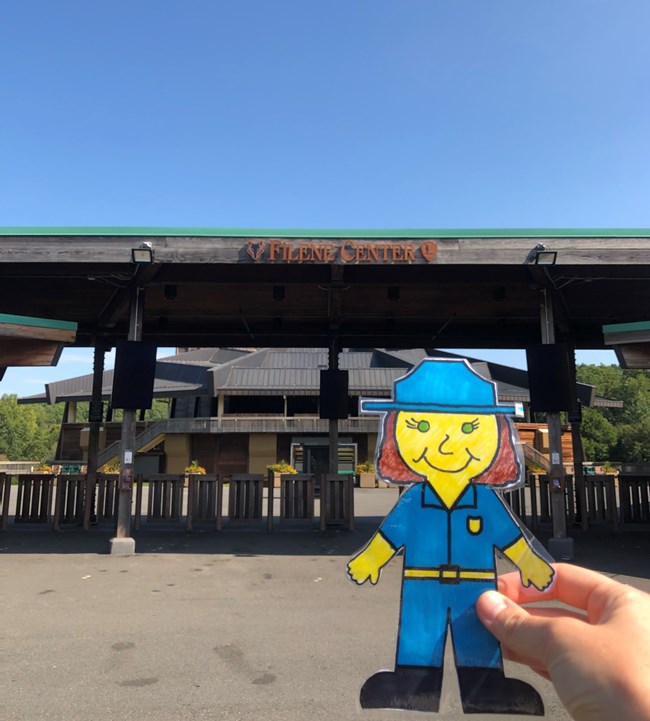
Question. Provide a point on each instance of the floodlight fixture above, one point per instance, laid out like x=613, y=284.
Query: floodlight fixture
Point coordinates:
x=143, y=254
x=541, y=255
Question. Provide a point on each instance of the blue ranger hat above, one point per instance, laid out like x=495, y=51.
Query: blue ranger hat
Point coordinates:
x=442, y=385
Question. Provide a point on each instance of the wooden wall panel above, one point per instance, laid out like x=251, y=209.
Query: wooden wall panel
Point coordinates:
x=223, y=453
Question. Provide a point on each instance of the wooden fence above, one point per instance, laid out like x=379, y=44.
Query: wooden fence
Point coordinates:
x=34, y=498
x=613, y=501
x=337, y=501
x=204, y=501
x=5, y=493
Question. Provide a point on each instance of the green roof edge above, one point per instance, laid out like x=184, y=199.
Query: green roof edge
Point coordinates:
x=627, y=327
x=37, y=322
x=334, y=232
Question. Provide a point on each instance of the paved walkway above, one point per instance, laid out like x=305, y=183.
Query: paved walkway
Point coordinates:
x=237, y=626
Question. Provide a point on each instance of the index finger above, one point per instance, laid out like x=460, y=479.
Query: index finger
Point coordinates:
x=572, y=585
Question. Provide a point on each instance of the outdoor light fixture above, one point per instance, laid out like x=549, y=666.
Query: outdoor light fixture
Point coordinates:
x=541, y=255
x=278, y=293
x=143, y=254
x=170, y=292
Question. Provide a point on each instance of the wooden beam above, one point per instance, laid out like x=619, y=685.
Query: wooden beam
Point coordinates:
x=18, y=326
x=633, y=355
x=28, y=352
x=488, y=250
x=118, y=306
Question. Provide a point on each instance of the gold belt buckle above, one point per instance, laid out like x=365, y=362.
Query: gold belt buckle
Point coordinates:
x=449, y=574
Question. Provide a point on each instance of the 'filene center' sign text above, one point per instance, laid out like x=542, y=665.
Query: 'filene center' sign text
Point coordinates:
x=276, y=250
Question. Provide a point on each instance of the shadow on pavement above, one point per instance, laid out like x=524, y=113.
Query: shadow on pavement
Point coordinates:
x=623, y=553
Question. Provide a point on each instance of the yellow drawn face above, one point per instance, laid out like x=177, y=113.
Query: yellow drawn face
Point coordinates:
x=455, y=443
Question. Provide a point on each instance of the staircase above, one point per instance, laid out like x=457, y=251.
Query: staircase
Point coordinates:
x=536, y=458
x=153, y=434
x=143, y=442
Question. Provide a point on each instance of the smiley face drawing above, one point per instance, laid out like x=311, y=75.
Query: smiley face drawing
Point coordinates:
x=445, y=435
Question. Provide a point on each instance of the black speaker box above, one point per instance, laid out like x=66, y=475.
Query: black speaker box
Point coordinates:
x=333, y=394
x=549, y=379
x=134, y=374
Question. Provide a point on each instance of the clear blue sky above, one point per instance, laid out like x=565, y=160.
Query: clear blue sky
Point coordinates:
x=355, y=114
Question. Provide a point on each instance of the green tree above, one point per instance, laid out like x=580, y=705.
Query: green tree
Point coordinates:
x=28, y=432
x=599, y=435
x=617, y=434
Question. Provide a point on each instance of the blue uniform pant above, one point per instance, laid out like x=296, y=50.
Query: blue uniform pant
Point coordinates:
x=428, y=606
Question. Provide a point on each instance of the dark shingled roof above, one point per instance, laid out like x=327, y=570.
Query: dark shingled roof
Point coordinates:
x=288, y=371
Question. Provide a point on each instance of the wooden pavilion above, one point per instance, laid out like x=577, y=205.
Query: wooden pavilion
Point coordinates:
x=328, y=289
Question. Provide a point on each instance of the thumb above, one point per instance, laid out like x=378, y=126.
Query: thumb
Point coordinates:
x=513, y=626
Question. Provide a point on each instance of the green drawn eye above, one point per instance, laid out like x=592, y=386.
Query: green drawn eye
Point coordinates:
x=469, y=426
x=422, y=426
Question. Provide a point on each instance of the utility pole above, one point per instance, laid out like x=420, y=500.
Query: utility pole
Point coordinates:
x=95, y=417
x=123, y=543
x=575, y=419
x=560, y=546
x=333, y=365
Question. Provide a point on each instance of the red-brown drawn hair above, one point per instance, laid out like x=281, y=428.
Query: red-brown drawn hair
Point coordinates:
x=503, y=471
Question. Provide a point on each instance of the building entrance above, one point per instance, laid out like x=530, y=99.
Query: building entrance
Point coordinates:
x=314, y=458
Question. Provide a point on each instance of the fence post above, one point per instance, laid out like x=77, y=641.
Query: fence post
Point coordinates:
x=351, y=502
x=5, y=479
x=324, y=489
x=612, y=510
x=138, y=501
x=190, y=501
x=220, y=484
x=269, y=507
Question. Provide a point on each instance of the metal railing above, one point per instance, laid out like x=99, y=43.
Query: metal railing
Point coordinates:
x=239, y=424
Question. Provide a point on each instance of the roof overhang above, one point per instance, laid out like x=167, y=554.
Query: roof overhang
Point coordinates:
x=303, y=288
x=27, y=341
x=631, y=342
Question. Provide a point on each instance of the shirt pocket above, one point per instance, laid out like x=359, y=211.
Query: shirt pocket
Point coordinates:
x=474, y=524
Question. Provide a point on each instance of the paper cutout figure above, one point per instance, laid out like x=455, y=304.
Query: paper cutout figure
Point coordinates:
x=445, y=434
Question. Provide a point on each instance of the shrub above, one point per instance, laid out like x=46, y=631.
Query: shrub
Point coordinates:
x=365, y=467
x=195, y=469
x=281, y=467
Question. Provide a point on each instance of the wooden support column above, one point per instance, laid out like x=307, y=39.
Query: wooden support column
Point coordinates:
x=95, y=422
x=334, y=313
x=333, y=422
x=575, y=419
x=123, y=543
x=560, y=546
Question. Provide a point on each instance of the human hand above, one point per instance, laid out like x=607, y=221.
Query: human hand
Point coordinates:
x=598, y=659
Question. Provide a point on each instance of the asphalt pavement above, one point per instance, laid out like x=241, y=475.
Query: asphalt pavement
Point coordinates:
x=241, y=625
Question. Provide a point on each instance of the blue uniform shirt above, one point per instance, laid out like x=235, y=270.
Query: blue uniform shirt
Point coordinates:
x=465, y=535
x=434, y=536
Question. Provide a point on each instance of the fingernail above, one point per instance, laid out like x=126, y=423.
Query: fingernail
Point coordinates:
x=491, y=605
